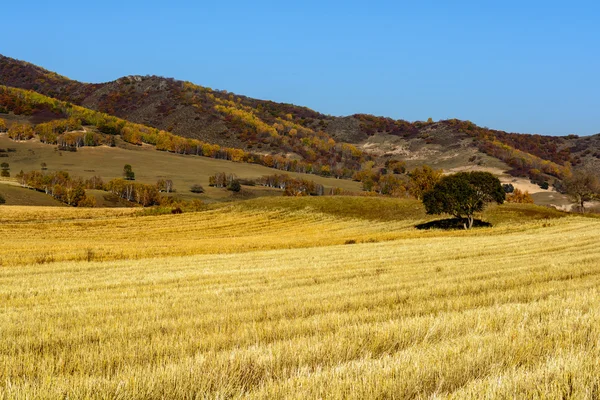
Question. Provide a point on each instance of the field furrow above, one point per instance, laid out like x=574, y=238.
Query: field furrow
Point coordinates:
x=497, y=312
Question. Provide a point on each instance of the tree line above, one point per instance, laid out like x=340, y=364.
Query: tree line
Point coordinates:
x=72, y=190
x=292, y=186
x=60, y=185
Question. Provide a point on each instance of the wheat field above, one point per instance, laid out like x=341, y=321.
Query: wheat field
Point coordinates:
x=259, y=301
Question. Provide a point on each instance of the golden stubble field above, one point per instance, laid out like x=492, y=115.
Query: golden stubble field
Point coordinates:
x=287, y=310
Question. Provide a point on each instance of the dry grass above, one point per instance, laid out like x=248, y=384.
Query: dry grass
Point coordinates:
x=504, y=312
x=41, y=235
x=17, y=195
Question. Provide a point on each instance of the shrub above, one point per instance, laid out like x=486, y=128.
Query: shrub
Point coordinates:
x=234, y=186
x=196, y=188
x=128, y=173
x=518, y=196
x=508, y=188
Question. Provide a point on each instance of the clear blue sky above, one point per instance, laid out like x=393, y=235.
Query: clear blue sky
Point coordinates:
x=523, y=66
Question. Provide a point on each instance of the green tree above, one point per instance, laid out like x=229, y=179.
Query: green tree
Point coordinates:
x=234, y=186
x=464, y=194
x=128, y=173
x=5, y=173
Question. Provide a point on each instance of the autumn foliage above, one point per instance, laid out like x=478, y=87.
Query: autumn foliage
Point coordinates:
x=321, y=155
x=59, y=185
x=519, y=196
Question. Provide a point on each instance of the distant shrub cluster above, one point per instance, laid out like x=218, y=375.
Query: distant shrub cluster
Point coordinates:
x=196, y=188
x=141, y=193
x=292, y=186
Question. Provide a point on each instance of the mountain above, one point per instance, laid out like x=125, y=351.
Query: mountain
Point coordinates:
x=267, y=127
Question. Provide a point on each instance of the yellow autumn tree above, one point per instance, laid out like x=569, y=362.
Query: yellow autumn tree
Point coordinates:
x=423, y=180
x=519, y=196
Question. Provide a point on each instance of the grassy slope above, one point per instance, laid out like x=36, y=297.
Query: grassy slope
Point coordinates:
x=16, y=195
x=259, y=224
x=509, y=311
x=148, y=164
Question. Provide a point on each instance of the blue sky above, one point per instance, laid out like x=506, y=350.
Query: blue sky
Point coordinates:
x=522, y=66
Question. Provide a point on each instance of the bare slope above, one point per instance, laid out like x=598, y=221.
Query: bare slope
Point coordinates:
x=14, y=194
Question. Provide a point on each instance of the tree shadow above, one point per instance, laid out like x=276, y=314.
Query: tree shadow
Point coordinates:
x=451, y=224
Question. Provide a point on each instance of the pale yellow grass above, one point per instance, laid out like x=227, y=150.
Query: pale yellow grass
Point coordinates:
x=101, y=235
x=38, y=235
x=509, y=312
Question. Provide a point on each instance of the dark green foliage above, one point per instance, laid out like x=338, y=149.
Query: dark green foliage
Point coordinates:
x=464, y=194
x=2, y=199
x=234, y=186
x=128, y=173
x=5, y=170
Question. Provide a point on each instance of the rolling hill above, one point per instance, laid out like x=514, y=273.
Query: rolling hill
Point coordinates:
x=232, y=120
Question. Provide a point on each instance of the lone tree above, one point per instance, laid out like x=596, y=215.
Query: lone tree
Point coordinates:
x=464, y=194
x=128, y=173
x=582, y=186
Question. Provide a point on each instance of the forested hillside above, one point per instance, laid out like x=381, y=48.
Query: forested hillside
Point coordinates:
x=66, y=126
x=267, y=128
